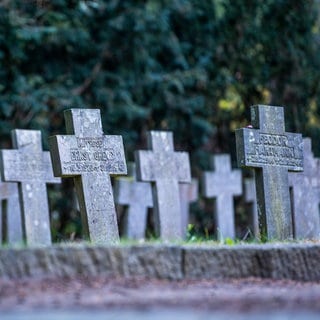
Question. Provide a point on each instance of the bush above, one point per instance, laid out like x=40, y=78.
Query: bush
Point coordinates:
x=193, y=67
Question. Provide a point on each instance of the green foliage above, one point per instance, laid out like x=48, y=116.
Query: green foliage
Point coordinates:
x=193, y=67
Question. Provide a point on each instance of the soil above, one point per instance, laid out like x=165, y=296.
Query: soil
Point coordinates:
x=100, y=293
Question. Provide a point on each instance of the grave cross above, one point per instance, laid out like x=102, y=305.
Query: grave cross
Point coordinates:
x=271, y=152
x=188, y=194
x=305, y=196
x=166, y=169
x=223, y=184
x=10, y=219
x=251, y=197
x=138, y=197
x=90, y=157
x=31, y=168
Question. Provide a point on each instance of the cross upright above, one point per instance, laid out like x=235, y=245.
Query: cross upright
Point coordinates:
x=30, y=166
x=250, y=196
x=188, y=194
x=272, y=152
x=138, y=197
x=165, y=168
x=223, y=184
x=10, y=219
x=90, y=157
x=305, y=200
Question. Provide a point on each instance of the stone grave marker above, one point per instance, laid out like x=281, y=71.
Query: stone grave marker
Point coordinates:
x=10, y=219
x=90, y=157
x=138, y=197
x=305, y=196
x=271, y=151
x=250, y=196
x=223, y=184
x=31, y=167
x=188, y=194
x=165, y=168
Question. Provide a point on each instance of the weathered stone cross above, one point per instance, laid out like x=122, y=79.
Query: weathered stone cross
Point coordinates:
x=188, y=194
x=271, y=152
x=223, y=184
x=90, y=157
x=250, y=196
x=166, y=169
x=138, y=197
x=305, y=200
x=10, y=219
x=31, y=168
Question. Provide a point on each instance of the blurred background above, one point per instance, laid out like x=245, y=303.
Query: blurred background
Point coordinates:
x=193, y=67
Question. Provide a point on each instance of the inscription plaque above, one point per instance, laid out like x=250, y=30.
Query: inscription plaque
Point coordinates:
x=30, y=166
x=90, y=157
x=138, y=197
x=305, y=196
x=223, y=184
x=165, y=169
x=271, y=152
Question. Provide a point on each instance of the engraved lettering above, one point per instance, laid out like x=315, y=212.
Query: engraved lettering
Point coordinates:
x=104, y=155
x=90, y=143
x=273, y=139
x=79, y=155
x=273, y=149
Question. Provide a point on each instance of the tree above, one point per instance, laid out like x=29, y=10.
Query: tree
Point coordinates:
x=193, y=67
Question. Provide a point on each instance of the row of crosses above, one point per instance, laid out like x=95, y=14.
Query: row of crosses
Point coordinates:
x=91, y=157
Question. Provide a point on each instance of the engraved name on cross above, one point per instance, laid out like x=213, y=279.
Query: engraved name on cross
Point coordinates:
x=90, y=157
x=166, y=169
x=272, y=152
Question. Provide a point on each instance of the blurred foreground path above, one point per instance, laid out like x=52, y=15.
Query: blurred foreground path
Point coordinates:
x=105, y=298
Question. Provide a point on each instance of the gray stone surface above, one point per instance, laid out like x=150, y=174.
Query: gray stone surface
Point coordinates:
x=90, y=157
x=166, y=169
x=306, y=196
x=271, y=261
x=137, y=196
x=223, y=184
x=31, y=167
x=163, y=262
x=189, y=193
x=154, y=261
x=250, y=196
x=272, y=152
x=10, y=217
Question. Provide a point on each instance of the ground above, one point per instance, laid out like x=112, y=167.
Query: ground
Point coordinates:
x=239, y=296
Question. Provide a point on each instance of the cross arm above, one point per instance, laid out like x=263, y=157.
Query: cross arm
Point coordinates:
x=259, y=149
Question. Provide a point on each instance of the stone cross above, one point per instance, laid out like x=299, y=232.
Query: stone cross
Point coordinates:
x=188, y=194
x=31, y=167
x=251, y=197
x=166, y=169
x=271, y=151
x=138, y=197
x=223, y=184
x=10, y=219
x=90, y=157
x=305, y=197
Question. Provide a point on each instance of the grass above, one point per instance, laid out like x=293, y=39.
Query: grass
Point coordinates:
x=192, y=238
